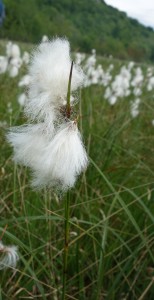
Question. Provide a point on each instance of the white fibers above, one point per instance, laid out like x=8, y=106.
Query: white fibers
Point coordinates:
x=63, y=159
x=3, y=64
x=49, y=71
x=56, y=158
x=12, y=50
x=28, y=142
x=8, y=256
x=150, y=85
x=22, y=99
x=25, y=58
x=12, y=61
x=52, y=147
x=24, y=81
x=134, y=110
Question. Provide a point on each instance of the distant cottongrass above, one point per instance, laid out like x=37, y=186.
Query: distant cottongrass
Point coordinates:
x=22, y=98
x=3, y=64
x=134, y=110
x=8, y=256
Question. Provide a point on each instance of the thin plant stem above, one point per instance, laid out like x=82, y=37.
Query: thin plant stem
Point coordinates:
x=67, y=202
x=66, y=243
x=68, y=112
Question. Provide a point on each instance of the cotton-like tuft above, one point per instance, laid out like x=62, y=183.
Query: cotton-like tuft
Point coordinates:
x=134, y=110
x=25, y=58
x=51, y=146
x=12, y=50
x=13, y=71
x=49, y=71
x=63, y=159
x=3, y=64
x=29, y=142
x=25, y=81
x=22, y=99
x=8, y=256
x=39, y=107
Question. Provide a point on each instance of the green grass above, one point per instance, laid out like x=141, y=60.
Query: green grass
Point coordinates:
x=112, y=209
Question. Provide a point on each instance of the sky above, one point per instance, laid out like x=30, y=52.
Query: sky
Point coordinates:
x=142, y=10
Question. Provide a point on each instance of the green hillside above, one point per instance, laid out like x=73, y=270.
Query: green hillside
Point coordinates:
x=87, y=23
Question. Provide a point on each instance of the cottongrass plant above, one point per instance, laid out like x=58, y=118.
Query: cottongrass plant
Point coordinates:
x=51, y=144
x=8, y=256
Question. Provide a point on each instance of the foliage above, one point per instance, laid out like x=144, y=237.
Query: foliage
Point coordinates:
x=112, y=208
x=87, y=24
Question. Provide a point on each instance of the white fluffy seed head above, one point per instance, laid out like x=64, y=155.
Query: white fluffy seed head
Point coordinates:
x=3, y=64
x=134, y=109
x=24, y=81
x=25, y=57
x=54, y=152
x=22, y=99
x=56, y=159
x=12, y=50
x=39, y=108
x=8, y=256
x=29, y=142
x=49, y=71
x=13, y=71
x=50, y=68
x=63, y=159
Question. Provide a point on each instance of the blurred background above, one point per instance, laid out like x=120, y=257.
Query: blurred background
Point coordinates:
x=88, y=24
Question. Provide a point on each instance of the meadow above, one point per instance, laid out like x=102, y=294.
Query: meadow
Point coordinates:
x=111, y=245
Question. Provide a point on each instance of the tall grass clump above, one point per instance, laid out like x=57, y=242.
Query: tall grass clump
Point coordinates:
x=52, y=147
x=110, y=211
